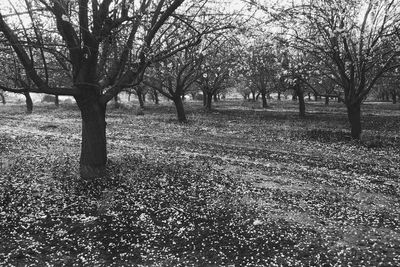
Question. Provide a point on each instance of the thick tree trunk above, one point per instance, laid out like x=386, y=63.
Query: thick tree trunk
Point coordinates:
x=29, y=103
x=264, y=100
x=94, y=147
x=56, y=101
x=302, y=104
x=3, y=99
x=209, y=101
x=180, y=110
x=326, y=100
x=354, y=115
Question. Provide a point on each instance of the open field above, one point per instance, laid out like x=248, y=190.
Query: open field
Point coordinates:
x=239, y=186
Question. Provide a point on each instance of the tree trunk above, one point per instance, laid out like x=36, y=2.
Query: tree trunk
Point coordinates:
x=264, y=100
x=156, y=99
x=94, y=147
x=180, y=110
x=302, y=105
x=116, y=103
x=254, y=96
x=316, y=97
x=209, y=101
x=354, y=115
x=326, y=100
x=204, y=98
x=279, y=96
x=294, y=96
x=3, y=99
x=309, y=96
x=56, y=101
x=29, y=103
x=140, y=98
x=129, y=96
x=394, y=97
x=144, y=97
x=215, y=98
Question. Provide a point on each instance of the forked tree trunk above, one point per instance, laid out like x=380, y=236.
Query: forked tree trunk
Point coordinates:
x=3, y=99
x=29, y=103
x=264, y=100
x=354, y=115
x=93, y=149
x=180, y=110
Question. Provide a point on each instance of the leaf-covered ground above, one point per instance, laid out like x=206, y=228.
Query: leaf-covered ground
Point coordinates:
x=239, y=186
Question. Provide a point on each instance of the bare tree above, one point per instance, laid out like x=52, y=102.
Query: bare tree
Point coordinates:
x=85, y=33
x=355, y=37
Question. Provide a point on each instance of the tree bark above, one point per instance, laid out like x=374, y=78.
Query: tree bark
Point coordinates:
x=302, y=105
x=354, y=116
x=264, y=100
x=326, y=100
x=94, y=146
x=140, y=98
x=204, y=98
x=3, y=99
x=29, y=103
x=180, y=110
x=279, y=96
x=209, y=101
x=56, y=101
x=156, y=99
